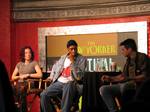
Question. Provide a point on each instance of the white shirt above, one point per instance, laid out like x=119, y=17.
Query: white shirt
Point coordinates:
x=62, y=78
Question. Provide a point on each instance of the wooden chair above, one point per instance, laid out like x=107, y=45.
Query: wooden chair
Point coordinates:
x=57, y=100
x=18, y=89
x=34, y=87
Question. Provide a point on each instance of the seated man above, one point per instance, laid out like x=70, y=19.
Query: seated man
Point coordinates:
x=135, y=71
x=66, y=76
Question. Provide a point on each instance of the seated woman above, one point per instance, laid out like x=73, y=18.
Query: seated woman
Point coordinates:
x=26, y=68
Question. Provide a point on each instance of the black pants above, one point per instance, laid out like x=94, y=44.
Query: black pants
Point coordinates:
x=20, y=93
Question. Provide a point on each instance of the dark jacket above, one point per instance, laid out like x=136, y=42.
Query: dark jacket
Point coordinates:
x=136, y=64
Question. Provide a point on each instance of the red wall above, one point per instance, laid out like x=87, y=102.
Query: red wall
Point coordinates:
x=14, y=36
x=26, y=33
x=5, y=33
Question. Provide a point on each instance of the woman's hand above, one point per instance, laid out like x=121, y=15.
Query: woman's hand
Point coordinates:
x=24, y=76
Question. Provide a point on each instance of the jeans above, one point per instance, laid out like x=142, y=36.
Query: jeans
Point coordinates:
x=109, y=92
x=68, y=91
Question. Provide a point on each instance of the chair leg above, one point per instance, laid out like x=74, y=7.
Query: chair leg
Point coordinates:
x=29, y=105
x=55, y=105
x=74, y=108
x=118, y=104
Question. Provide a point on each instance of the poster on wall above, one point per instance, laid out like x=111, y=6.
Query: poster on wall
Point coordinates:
x=98, y=42
x=101, y=49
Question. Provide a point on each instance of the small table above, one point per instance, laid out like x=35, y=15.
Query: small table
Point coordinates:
x=91, y=99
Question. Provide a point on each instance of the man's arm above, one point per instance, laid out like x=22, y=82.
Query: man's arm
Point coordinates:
x=50, y=78
x=142, y=71
x=139, y=78
x=117, y=78
x=78, y=68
